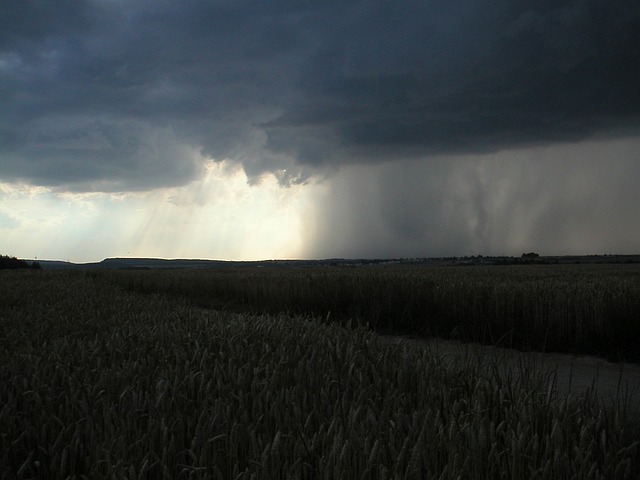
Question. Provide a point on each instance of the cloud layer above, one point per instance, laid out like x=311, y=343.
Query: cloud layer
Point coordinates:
x=133, y=95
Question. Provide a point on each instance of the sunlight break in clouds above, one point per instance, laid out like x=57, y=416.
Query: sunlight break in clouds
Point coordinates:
x=217, y=216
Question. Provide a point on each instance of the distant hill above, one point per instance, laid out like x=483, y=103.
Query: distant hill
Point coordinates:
x=58, y=265
x=160, y=263
x=132, y=263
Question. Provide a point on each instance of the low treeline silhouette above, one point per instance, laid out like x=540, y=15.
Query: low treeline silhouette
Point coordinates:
x=13, y=263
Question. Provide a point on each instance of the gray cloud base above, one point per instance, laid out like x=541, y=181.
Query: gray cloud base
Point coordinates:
x=127, y=95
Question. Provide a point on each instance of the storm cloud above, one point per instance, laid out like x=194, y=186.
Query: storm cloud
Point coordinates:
x=135, y=95
x=569, y=199
x=394, y=129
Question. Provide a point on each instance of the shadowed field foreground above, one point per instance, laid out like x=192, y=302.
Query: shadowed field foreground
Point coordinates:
x=100, y=381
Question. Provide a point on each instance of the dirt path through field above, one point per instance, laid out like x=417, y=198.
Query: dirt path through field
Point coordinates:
x=574, y=373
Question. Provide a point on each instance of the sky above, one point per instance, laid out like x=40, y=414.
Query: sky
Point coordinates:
x=244, y=129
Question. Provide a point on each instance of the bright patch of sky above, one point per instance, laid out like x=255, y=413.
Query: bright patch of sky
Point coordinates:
x=218, y=216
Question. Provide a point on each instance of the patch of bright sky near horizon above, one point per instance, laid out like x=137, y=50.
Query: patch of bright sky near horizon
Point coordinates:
x=218, y=216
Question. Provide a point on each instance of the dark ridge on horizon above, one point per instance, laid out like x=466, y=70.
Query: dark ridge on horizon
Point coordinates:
x=143, y=263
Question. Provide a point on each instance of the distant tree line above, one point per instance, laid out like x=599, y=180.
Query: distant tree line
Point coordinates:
x=7, y=262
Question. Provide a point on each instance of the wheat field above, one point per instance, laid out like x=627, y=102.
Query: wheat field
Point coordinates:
x=99, y=379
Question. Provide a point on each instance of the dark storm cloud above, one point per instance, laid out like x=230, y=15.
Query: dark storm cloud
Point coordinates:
x=553, y=199
x=122, y=94
x=452, y=77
